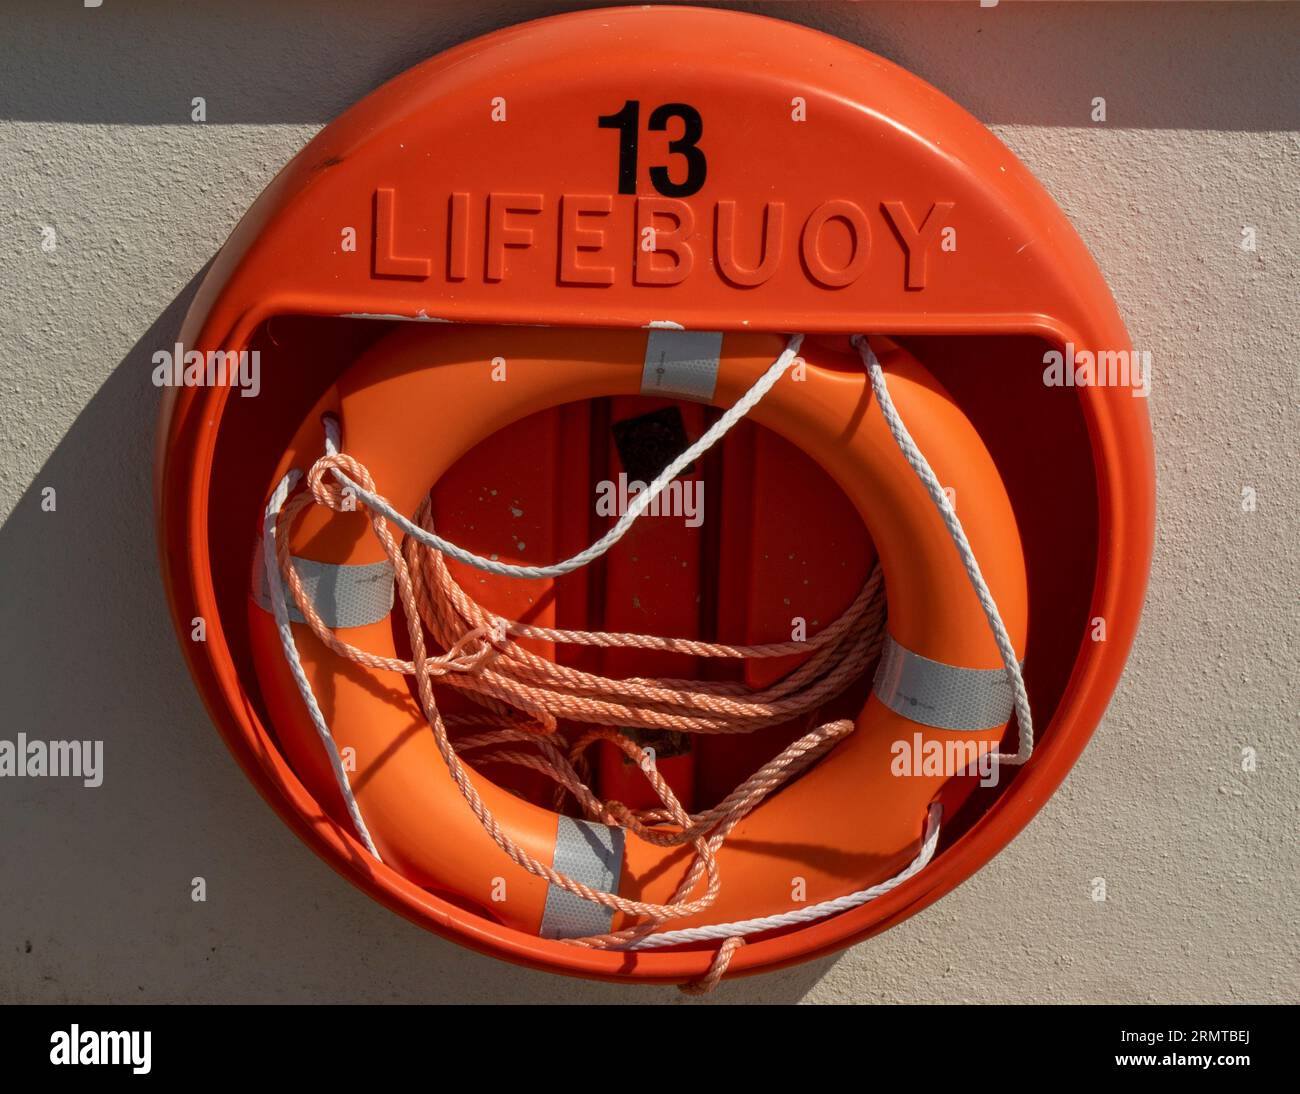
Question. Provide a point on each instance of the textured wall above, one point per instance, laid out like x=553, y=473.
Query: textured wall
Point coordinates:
x=1199, y=856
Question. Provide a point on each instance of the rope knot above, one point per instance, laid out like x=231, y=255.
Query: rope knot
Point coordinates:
x=472, y=650
x=330, y=492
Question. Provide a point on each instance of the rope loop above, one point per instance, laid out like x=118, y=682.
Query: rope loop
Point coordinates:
x=341, y=496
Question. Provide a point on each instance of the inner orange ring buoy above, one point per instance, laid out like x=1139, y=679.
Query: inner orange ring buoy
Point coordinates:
x=845, y=825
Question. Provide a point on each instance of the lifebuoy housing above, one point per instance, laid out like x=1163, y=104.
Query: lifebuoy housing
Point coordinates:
x=565, y=195
x=848, y=823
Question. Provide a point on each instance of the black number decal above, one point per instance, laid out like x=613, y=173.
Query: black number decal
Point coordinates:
x=685, y=146
x=628, y=123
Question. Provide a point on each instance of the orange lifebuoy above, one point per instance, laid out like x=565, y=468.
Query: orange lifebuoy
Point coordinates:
x=423, y=398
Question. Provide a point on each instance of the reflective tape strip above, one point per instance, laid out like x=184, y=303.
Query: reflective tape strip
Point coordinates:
x=942, y=696
x=682, y=364
x=345, y=596
x=592, y=854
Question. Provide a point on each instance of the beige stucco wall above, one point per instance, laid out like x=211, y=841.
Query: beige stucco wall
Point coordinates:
x=1199, y=856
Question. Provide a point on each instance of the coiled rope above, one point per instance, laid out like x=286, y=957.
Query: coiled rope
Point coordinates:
x=525, y=696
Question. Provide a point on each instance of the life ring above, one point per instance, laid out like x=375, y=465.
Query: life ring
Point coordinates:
x=422, y=398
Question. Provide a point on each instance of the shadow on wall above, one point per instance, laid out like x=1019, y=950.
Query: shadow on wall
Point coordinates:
x=98, y=880
x=142, y=64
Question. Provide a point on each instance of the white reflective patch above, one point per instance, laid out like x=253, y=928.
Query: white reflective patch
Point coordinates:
x=941, y=696
x=345, y=596
x=592, y=854
x=682, y=364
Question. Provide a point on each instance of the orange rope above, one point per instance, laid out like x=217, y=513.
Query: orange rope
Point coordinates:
x=526, y=696
x=717, y=970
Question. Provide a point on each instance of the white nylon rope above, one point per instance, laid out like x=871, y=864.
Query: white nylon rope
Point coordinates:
x=921, y=466
x=720, y=932
x=275, y=587
x=910, y=452
x=639, y=504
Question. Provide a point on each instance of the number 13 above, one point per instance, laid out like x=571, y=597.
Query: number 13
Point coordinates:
x=628, y=122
